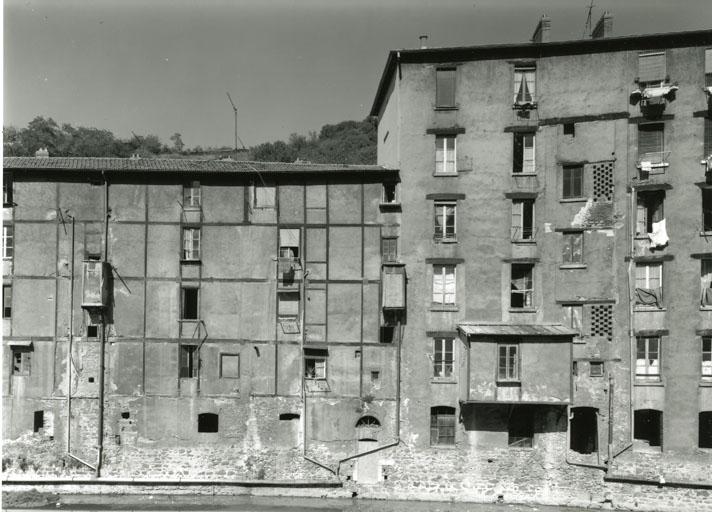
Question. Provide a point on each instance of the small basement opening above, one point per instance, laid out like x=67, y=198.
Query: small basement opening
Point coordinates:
x=705, y=435
x=286, y=416
x=38, y=423
x=584, y=429
x=207, y=422
x=648, y=426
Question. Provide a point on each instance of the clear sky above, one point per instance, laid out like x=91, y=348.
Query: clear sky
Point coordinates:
x=164, y=66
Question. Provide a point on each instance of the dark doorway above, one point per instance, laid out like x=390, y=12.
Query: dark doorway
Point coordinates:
x=584, y=429
x=649, y=426
x=207, y=422
x=521, y=427
x=705, y=437
x=38, y=421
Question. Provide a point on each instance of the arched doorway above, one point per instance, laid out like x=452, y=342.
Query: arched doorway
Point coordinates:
x=366, y=469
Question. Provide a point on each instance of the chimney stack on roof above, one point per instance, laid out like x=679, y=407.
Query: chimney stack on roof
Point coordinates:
x=604, y=27
x=423, y=41
x=542, y=30
x=42, y=153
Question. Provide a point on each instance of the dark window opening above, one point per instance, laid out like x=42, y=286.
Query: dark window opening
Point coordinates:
x=523, y=219
x=596, y=368
x=574, y=368
x=125, y=415
x=7, y=301
x=38, y=421
x=387, y=334
x=390, y=195
x=705, y=434
x=442, y=425
x=649, y=210
x=21, y=357
x=523, y=158
x=188, y=361
x=189, y=303
x=375, y=376
x=7, y=190
x=286, y=416
x=91, y=379
x=368, y=421
x=521, y=428
x=648, y=426
x=207, y=422
x=706, y=209
x=92, y=331
x=570, y=129
x=521, y=286
x=584, y=429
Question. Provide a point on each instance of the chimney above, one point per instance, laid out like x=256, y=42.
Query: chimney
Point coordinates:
x=423, y=41
x=604, y=27
x=541, y=32
x=42, y=153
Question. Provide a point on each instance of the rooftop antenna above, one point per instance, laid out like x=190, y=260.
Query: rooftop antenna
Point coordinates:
x=234, y=109
x=587, y=28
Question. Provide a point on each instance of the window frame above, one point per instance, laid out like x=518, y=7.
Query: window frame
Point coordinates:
x=7, y=190
x=651, y=371
x=446, y=161
x=568, y=250
x=578, y=176
x=443, y=358
x=283, y=247
x=389, y=254
x=445, y=235
x=441, y=269
x=188, y=353
x=647, y=279
x=189, y=250
x=222, y=373
x=525, y=292
x=521, y=165
x=519, y=230
x=7, y=300
x=184, y=297
x=443, y=431
x=440, y=91
x=8, y=238
x=707, y=212
x=570, y=317
x=706, y=353
x=655, y=82
x=384, y=193
x=319, y=373
x=192, y=195
x=649, y=205
x=23, y=367
x=600, y=371
x=511, y=371
x=523, y=70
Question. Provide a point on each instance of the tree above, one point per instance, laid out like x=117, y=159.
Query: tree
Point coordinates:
x=177, y=142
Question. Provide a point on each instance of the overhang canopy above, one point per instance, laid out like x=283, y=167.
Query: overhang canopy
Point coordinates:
x=507, y=329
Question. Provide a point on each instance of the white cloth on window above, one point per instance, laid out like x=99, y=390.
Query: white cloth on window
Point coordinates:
x=659, y=237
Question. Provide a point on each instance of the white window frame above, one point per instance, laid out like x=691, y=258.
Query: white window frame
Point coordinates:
x=192, y=197
x=441, y=296
x=319, y=368
x=529, y=71
x=518, y=219
x=446, y=165
x=644, y=369
x=443, y=367
x=647, y=278
x=510, y=372
x=191, y=237
x=529, y=164
x=525, y=292
x=440, y=211
x=8, y=235
x=706, y=369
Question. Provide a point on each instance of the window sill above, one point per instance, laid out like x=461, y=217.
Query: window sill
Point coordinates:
x=524, y=241
x=446, y=108
x=579, y=340
x=190, y=262
x=446, y=174
x=705, y=233
x=572, y=266
x=706, y=382
x=194, y=208
x=446, y=240
x=648, y=309
x=442, y=308
x=442, y=380
x=706, y=308
x=524, y=174
x=522, y=310
x=652, y=382
x=573, y=200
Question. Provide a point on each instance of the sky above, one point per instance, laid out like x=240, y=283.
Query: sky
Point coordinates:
x=164, y=66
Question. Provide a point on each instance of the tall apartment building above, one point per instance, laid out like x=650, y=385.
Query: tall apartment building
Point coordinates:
x=202, y=316
x=556, y=234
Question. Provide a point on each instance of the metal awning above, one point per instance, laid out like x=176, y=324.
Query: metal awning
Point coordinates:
x=507, y=329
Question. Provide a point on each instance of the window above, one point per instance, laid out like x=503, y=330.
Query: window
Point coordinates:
x=521, y=286
x=707, y=357
x=573, y=313
x=389, y=249
x=520, y=427
x=21, y=358
x=596, y=368
x=7, y=243
x=191, y=195
x=508, y=362
x=38, y=421
x=442, y=357
x=264, y=196
x=445, y=220
x=572, y=251
x=572, y=179
x=375, y=376
x=651, y=145
x=649, y=211
x=7, y=190
x=444, y=284
x=289, y=243
x=208, y=422
x=647, y=359
x=288, y=305
x=314, y=367
x=649, y=284
x=188, y=361
x=706, y=209
x=191, y=244
x=570, y=129
x=522, y=219
x=445, y=154
x=708, y=135
x=524, y=86
x=705, y=430
x=706, y=282
x=7, y=301
x=442, y=425
x=445, y=87
x=708, y=67
x=390, y=193
x=524, y=153
x=651, y=69
x=189, y=303
x=229, y=366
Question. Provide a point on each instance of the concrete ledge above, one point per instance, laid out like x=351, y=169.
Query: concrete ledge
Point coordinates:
x=293, y=484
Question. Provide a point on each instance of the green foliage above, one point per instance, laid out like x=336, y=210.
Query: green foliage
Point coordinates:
x=348, y=142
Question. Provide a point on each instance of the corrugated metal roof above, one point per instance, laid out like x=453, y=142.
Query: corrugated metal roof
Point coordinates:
x=507, y=329
x=175, y=165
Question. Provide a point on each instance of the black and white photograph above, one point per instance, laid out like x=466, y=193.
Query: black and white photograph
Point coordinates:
x=357, y=255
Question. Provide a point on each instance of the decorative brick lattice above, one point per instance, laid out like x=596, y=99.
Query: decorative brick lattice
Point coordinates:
x=603, y=181
x=602, y=321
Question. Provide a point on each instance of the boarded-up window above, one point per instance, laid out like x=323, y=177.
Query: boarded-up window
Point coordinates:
x=264, y=196
x=393, y=287
x=572, y=182
x=229, y=366
x=650, y=140
x=445, y=87
x=389, y=249
x=651, y=68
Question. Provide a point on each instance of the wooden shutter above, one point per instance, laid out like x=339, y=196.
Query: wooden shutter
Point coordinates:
x=651, y=67
x=650, y=138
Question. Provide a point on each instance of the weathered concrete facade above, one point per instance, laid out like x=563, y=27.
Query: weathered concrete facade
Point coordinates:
x=233, y=352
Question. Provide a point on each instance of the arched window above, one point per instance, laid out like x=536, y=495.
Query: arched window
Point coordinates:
x=207, y=422
x=368, y=421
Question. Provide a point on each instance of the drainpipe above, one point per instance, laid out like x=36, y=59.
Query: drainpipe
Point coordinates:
x=102, y=341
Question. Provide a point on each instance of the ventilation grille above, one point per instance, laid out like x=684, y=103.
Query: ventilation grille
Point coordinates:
x=602, y=321
x=603, y=181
